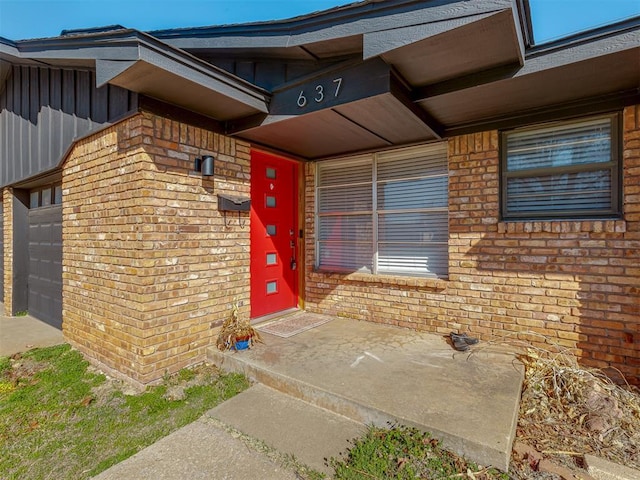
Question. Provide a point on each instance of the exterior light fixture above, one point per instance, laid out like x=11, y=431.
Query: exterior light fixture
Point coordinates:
x=204, y=165
x=207, y=166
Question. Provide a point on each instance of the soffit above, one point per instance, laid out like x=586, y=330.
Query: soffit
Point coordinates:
x=450, y=49
x=367, y=117
x=451, y=90
x=367, y=124
x=545, y=81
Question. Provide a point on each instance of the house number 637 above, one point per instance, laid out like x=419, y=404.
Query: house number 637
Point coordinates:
x=319, y=95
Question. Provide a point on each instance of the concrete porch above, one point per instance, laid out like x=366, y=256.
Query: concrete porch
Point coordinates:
x=376, y=374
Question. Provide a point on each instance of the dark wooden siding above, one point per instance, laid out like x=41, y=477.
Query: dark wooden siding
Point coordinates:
x=269, y=74
x=44, y=109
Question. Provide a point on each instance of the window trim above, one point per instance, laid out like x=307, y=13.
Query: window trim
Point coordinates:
x=375, y=212
x=614, y=165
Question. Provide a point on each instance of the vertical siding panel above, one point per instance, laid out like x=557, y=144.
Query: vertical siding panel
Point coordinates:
x=224, y=64
x=11, y=95
x=118, y=102
x=99, y=102
x=34, y=94
x=83, y=98
x=13, y=124
x=83, y=103
x=68, y=107
x=45, y=125
x=269, y=75
x=24, y=122
x=37, y=162
x=55, y=90
x=246, y=71
x=133, y=101
x=7, y=103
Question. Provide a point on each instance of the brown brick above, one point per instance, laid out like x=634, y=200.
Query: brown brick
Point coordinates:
x=138, y=295
x=569, y=283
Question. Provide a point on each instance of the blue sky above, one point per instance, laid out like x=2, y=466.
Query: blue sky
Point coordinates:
x=20, y=19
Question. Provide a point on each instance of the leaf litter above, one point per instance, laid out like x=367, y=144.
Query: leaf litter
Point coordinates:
x=567, y=411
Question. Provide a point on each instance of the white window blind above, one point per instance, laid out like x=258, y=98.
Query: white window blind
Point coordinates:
x=385, y=213
x=561, y=171
x=345, y=227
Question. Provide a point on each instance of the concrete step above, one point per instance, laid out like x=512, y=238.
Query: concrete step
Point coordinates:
x=289, y=425
x=375, y=374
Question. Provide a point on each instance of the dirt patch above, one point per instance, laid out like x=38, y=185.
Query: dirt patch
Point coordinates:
x=568, y=411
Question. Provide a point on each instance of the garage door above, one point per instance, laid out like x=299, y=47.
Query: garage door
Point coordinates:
x=1, y=250
x=45, y=264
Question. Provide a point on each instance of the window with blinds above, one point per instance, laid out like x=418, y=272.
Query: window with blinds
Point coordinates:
x=384, y=213
x=567, y=170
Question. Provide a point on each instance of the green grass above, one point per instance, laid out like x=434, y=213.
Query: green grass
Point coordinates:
x=60, y=420
x=404, y=453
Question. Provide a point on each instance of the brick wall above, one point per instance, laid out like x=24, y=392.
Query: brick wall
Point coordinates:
x=7, y=217
x=563, y=283
x=149, y=266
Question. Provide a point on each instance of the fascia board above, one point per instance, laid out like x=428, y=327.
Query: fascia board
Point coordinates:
x=574, y=53
x=278, y=35
x=7, y=47
x=186, y=66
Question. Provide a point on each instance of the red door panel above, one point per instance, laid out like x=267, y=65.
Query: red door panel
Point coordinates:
x=274, y=244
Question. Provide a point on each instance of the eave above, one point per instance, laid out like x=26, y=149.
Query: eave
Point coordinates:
x=140, y=63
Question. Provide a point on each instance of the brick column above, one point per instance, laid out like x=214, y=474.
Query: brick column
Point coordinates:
x=7, y=202
x=149, y=265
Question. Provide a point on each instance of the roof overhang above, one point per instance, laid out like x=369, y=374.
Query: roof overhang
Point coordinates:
x=568, y=73
x=385, y=73
x=463, y=75
x=355, y=106
x=393, y=48
x=140, y=63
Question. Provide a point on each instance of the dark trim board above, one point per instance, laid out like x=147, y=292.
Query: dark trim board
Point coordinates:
x=20, y=234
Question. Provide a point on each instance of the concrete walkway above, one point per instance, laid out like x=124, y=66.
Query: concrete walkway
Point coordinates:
x=19, y=334
x=376, y=374
x=200, y=450
x=318, y=390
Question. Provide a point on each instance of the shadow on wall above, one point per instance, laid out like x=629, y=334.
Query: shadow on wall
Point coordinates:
x=554, y=287
x=573, y=284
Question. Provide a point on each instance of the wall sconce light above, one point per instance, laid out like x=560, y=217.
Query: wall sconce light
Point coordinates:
x=207, y=166
x=204, y=165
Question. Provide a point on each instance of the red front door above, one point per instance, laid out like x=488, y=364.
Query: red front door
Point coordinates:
x=274, y=234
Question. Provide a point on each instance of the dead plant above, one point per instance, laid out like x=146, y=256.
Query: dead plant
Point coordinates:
x=568, y=410
x=234, y=329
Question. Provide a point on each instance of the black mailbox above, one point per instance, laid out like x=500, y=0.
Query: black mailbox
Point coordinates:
x=230, y=203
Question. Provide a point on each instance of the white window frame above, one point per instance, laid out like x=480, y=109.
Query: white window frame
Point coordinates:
x=377, y=211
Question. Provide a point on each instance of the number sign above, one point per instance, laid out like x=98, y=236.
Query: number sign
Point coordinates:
x=345, y=85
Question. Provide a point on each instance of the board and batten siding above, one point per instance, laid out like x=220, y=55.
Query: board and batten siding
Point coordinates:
x=43, y=110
